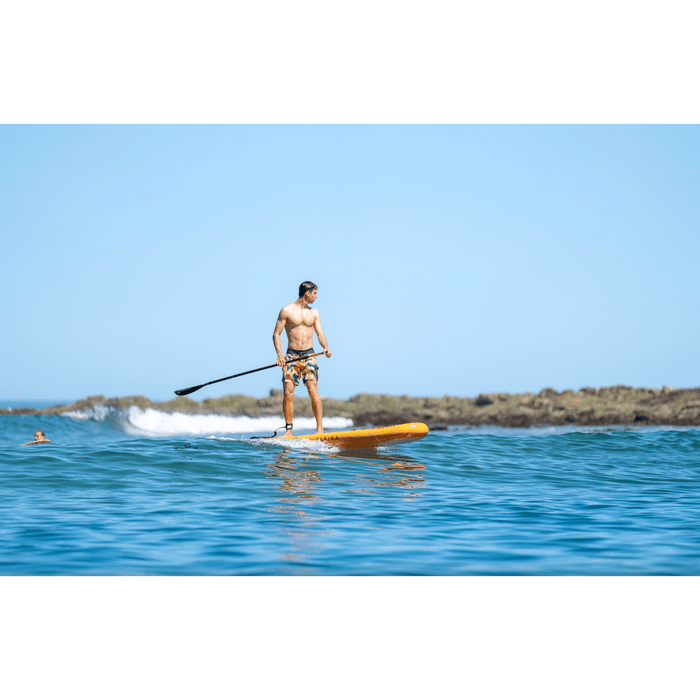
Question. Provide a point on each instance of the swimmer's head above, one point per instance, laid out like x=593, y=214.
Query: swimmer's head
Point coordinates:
x=39, y=435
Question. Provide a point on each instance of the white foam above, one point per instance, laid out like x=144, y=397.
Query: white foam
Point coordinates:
x=307, y=445
x=157, y=423
x=95, y=413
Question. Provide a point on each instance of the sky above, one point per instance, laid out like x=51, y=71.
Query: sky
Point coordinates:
x=450, y=259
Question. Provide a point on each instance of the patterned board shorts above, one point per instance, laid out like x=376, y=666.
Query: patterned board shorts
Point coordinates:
x=306, y=369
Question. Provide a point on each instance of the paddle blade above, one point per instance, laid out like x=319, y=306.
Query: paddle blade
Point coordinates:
x=191, y=390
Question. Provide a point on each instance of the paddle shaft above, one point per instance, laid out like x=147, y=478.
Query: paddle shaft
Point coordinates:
x=192, y=389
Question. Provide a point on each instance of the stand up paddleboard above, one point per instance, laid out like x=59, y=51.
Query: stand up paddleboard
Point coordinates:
x=367, y=438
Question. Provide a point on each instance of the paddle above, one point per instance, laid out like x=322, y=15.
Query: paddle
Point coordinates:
x=192, y=389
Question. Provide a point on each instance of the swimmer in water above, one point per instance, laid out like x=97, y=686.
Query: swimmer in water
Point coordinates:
x=39, y=439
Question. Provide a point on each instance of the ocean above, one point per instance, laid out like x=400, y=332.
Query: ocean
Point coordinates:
x=132, y=493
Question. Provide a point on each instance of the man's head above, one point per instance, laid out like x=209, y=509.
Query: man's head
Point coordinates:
x=39, y=435
x=306, y=287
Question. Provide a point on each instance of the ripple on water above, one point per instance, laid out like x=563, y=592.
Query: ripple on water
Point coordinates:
x=458, y=502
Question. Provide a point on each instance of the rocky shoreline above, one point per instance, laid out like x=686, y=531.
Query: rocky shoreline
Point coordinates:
x=616, y=405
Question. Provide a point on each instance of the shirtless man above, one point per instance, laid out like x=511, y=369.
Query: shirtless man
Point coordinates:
x=39, y=439
x=300, y=321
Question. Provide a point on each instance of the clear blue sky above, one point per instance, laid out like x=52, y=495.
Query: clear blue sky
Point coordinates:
x=449, y=259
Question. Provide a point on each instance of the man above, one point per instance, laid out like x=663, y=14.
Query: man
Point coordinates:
x=300, y=321
x=39, y=439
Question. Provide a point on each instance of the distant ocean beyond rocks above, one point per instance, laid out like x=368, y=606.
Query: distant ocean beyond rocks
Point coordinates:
x=616, y=405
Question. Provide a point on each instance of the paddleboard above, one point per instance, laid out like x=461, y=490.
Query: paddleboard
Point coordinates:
x=367, y=438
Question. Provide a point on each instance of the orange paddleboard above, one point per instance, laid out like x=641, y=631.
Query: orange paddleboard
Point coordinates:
x=368, y=438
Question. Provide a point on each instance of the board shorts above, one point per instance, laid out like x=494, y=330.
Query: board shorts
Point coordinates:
x=306, y=369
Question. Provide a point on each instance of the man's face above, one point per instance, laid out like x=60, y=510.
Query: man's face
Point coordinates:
x=311, y=296
x=38, y=435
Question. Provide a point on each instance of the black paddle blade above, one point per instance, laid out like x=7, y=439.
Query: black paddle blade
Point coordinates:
x=191, y=390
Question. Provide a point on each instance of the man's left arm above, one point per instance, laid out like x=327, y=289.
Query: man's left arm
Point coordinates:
x=320, y=334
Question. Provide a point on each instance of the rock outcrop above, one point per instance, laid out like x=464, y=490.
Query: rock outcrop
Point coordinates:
x=616, y=405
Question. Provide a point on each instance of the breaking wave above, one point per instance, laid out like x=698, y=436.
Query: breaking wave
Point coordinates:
x=153, y=423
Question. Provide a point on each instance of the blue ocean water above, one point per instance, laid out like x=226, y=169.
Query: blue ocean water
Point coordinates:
x=146, y=493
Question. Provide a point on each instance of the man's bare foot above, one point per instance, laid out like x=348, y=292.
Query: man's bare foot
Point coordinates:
x=288, y=433
x=319, y=430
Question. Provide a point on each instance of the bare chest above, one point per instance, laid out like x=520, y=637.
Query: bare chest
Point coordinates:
x=301, y=317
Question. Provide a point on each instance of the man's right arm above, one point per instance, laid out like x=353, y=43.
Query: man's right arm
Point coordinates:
x=277, y=338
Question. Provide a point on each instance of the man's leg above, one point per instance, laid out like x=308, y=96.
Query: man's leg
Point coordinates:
x=316, y=404
x=288, y=405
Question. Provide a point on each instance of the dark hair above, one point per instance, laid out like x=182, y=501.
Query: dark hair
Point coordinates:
x=306, y=287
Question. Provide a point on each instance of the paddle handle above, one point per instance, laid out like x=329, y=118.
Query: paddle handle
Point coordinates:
x=192, y=389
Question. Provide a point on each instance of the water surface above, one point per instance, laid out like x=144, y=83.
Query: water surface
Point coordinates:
x=120, y=493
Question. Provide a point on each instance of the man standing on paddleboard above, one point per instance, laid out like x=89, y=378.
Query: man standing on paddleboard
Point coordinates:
x=300, y=321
